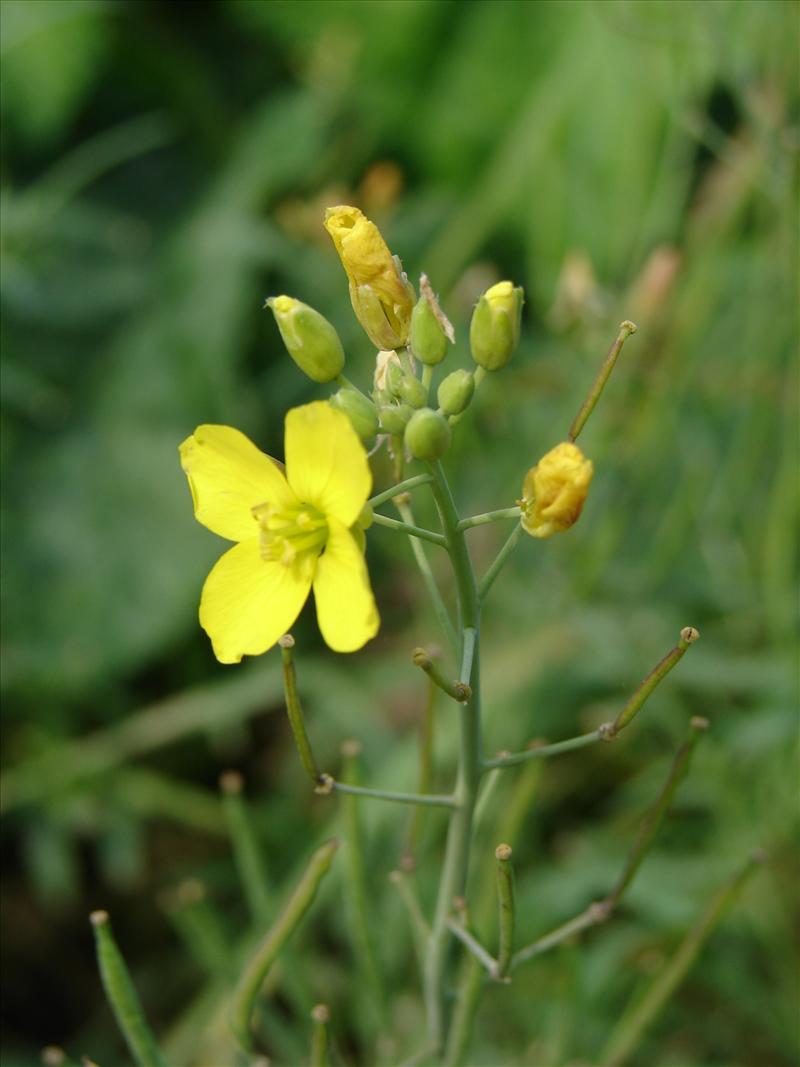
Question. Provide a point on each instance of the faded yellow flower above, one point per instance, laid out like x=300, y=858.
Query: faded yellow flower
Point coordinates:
x=554, y=491
x=380, y=293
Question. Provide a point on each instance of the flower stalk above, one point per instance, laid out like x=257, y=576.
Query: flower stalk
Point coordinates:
x=506, y=909
x=459, y=691
x=246, y=851
x=320, y=1041
x=626, y=328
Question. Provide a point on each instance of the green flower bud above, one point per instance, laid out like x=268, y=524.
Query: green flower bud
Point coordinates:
x=394, y=377
x=494, y=330
x=310, y=339
x=412, y=391
x=455, y=392
x=360, y=411
x=427, y=338
x=394, y=417
x=427, y=434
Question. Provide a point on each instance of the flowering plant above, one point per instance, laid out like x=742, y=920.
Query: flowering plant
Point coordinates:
x=301, y=528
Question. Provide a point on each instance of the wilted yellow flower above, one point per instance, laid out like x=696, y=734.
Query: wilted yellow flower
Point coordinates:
x=380, y=293
x=554, y=491
x=294, y=532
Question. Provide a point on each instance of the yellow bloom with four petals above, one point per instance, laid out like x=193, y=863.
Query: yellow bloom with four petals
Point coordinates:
x=294, y=532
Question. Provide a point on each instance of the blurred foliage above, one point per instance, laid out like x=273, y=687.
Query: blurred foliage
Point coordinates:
x=164, y=168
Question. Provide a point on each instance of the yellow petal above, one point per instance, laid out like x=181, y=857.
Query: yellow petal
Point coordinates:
x=248, y=602
x=229, y=476
x=326, y=463
x=346, y=610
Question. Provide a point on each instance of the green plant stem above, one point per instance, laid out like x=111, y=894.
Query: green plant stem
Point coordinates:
x=489, y=516
x=475, y=947
x=419, y=927
x=266, y=953
x=625, y=330
x=246, y=849
x=645, y=1009
x=345, y=383
x=399, y=489
x=456, y=861
x=122, y=996
x=544, y=751
x=407, y=528
x=425, y=775
x=506, y=909
x=499, y=562
x=433, y=800
x=439, y=606
x=294, y=709
x=199, y=927
x=652, y=821
x=458, y=691
x=357, y=888
x=593, y=915
x=688, y=636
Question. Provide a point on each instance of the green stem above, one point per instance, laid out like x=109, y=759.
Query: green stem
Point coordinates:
x=625, y=330
x=456, y=862
x=489, y=516
x=458, y=691
x=505, y=901
x=246, y=850
x=439, y=606
x=434, y=800
x=267, y=952
x=594, y=914
x=419, y=927
x=407, y=528
x=425, y=774
x=652, y=821
x=357, y=886
x=544, y=751
x=475, y=947
x=499, y=562
x=399, y=489
x=122, y=995
x=345, y=383
x=688, y=636
x=629, y=1031
x=294, y=709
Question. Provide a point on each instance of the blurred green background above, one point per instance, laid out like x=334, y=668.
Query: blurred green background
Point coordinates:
x=165, y=167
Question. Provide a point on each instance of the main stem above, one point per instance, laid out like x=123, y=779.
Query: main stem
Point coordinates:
x=456, y=861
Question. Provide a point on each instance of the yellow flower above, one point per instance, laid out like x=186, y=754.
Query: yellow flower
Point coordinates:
x=554, y=491
x=380, y=293
x=294, y=532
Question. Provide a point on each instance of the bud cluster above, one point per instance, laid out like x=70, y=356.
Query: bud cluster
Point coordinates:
x=412, y=334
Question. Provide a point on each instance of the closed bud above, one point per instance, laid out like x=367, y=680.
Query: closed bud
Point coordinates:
x=380, y=293
x=427, y=338
x=394, y=417
x=554, y=491
x=412, y=391
x=394, y=376
x=360, y=411
x=427, y=434
x=494, y=330
x=455, y=392
x=310, y=339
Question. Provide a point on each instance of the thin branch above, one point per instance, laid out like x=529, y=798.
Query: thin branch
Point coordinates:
x=399, y=489
x=489, y=516
x=327, y=784
x=474, y=946
x=413, y=531
x=544, y=751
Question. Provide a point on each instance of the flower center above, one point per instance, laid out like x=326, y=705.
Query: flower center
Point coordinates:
x=284, y=534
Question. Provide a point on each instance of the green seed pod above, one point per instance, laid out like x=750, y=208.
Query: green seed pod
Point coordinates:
x=413, y=392
x=455, y=392
x=427, y=338
x=310, y=339
x=494, y=330
x=427, y=434
x=360, y=411
x=394, y=417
